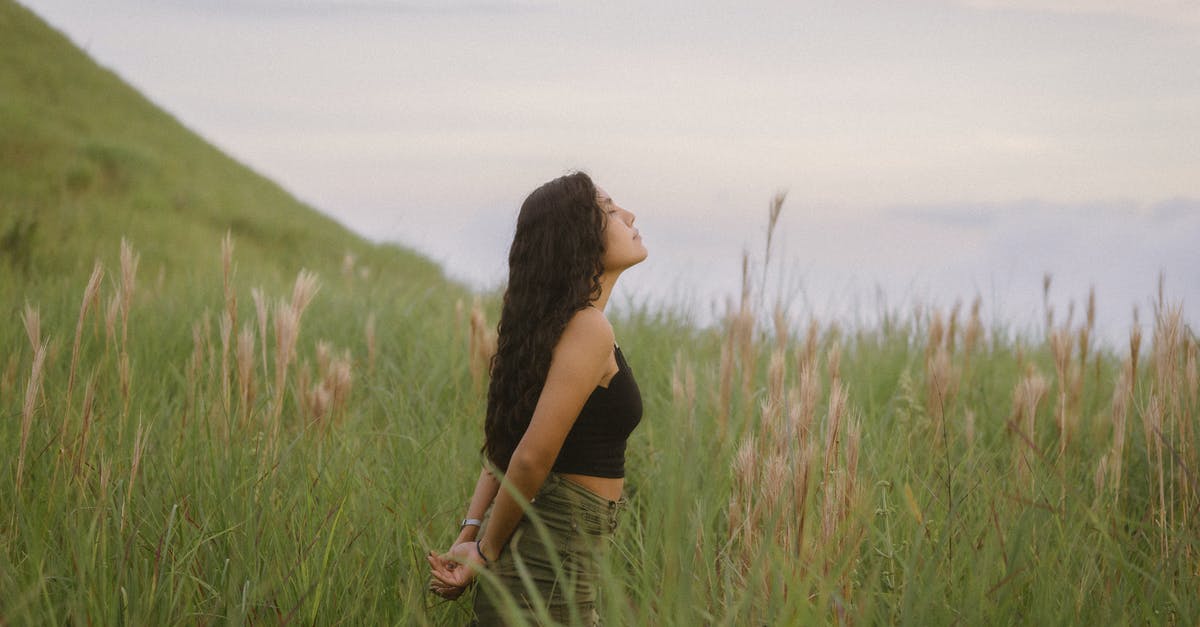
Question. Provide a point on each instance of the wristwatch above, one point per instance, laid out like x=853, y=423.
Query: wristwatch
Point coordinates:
x=471, y=521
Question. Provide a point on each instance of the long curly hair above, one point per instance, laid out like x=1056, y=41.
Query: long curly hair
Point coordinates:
x=554, y=269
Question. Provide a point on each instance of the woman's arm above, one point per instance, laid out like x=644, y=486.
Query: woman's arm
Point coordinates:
x=579, y=363
x=485, y=491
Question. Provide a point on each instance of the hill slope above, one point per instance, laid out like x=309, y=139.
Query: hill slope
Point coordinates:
x=85, y=160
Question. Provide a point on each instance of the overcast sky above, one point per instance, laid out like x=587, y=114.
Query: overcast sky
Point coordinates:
x=936, y=149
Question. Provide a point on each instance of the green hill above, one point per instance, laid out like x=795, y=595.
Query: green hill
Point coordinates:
x=85, y=160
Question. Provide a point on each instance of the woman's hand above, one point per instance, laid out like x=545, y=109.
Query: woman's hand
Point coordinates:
x=454, y=570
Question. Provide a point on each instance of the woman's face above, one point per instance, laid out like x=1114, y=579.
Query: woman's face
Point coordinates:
x=622, y=243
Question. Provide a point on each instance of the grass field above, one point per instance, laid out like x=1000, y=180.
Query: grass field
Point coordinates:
x=198, y=431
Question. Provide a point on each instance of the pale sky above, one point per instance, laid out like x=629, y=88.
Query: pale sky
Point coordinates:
x=936, y=149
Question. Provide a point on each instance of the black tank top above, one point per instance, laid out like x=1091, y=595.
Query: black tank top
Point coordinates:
x=595, y=445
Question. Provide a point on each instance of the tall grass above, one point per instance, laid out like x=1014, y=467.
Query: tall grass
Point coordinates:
x=232, y=448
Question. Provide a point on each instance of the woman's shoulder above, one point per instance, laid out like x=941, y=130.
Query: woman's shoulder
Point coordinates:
x=588, y=327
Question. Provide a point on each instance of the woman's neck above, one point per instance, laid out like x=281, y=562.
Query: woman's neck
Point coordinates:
x=607, y=281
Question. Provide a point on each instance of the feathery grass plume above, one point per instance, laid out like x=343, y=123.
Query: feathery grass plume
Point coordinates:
x=245, y=373
x=1135, y=346
x=1191, y=376
x=129, y=266
x=348, y=265
x=1115, y=459
x=228, y=319
x=32, y=319
x=804, y=411
x=772, y=426
x=227, y=348
x=941, y=387
x=287, y=329
x=306, y=287
x=32, y=391
x=806, y=356
x=340, y=381
x=972, y=334
x=969, y=428
x=833, y=425
x=683, y=387
x=90, y=295
x=482, y=347
x=833, y=360
x=260, y=309
x=741, y=519
x=1048, y=311
x=781, y=327
x=936, y=335
x=287, y=332
x=369, y=331
x=952, y=326
x=1061, y=349
x=1027, y=396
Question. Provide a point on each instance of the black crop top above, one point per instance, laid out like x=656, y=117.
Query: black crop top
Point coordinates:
x=595, y=445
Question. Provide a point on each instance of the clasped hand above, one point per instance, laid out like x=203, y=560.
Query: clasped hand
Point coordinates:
x=454, y=570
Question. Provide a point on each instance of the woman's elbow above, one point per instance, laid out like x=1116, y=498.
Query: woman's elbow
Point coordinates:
x=530, y=462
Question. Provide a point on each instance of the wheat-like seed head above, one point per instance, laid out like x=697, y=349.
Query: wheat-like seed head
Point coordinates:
x=306, y=287
x=32, y=319
x=32, y=392
x=952, y=328
x=129, y=266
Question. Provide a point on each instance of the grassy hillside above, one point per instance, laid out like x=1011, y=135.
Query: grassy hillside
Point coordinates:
x=86, y=160
x=243, y=443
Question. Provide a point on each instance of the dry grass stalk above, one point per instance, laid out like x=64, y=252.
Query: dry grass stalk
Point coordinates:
x=969, y=428
x=773, y=426
x=833, y=360
x=1047, y=279
x=481, y=347
x=806, y=356
x=245, y=373
x=1114, y=460
x=1027, y=396
x=1135, y=346
x=941, y=388
x=32, y=392
x=32, y=319
x=683, y=386
x=972, y=335
x=129, y=267
x=227, y=348
x=287, y=332
x=952, y=328
x=1152, y=429
x=1061, y=350
x=782, y=336
x=91, y=294
x=803, y=413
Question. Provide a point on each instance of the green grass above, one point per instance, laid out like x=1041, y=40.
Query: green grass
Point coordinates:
x=170, y=500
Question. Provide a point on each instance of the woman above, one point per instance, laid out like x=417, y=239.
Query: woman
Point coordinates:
x=561, y=404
